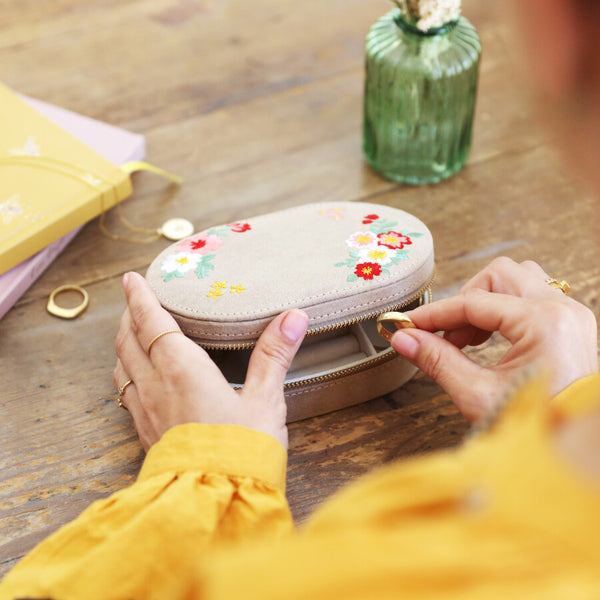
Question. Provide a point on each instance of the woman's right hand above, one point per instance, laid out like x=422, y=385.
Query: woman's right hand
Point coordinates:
x=543, y=325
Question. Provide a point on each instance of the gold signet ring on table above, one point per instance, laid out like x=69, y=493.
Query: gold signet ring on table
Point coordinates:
x=67, y=313
x=400, y=320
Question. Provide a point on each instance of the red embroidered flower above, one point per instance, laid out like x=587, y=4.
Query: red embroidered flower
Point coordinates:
x=239, y=227
x=393, y=239
x=368, y=270
x=197, y=244
x=369, y=219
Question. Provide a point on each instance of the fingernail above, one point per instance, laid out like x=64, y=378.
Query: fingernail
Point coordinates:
x=124, y=280
x=403, y=343
x=294, y=325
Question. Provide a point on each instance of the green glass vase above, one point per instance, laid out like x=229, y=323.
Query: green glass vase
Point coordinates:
x=419, y=103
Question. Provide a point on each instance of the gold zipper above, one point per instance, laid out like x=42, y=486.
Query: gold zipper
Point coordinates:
x=326, y=328
x=384, y=357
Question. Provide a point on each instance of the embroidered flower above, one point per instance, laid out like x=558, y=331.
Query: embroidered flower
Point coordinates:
x=335, y=212
x=239, y=227
x=377, y=254
x=367, y=270
x=369, y=219
x=181, y=262
x=202, y=243
x=362, y=239
x=393, y=239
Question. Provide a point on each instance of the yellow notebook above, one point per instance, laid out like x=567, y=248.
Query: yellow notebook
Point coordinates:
x=50, y=182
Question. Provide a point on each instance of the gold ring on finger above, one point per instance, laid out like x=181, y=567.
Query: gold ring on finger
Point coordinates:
x=121, y=393
x=563, y=286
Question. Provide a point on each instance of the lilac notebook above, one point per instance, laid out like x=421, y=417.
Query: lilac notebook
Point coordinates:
x=114, y=143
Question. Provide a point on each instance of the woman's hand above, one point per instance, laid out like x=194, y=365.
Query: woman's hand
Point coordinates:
x=178, y=383
x=542, y=324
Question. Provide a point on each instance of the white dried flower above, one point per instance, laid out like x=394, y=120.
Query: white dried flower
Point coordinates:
x=427, y=14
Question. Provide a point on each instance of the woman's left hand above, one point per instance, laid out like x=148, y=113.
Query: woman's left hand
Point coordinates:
x=177, y=382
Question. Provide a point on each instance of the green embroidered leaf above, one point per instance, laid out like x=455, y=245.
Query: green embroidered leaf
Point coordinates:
x=352, y=277
x=403, y=257
x=414, y=234
x=385, y=271
x=342, y=264
x=383, y=226
x=220, y=231
x=208, y=258
x=168, y=276
x=354, y=254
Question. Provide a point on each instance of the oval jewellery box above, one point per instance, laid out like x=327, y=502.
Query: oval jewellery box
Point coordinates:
x=343, y=264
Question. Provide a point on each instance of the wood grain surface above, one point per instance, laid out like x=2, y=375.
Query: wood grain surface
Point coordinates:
x=257, y=105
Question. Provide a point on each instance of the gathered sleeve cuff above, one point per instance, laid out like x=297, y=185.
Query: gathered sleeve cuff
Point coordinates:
x=226, y=449
x=201, y=487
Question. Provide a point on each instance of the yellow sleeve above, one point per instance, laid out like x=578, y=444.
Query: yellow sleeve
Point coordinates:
x=577, y=399
x=201, y=486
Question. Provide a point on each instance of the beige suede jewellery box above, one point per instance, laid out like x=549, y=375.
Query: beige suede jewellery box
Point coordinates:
x=344, y=264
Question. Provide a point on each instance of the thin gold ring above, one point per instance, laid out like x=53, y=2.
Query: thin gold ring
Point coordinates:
x=121, y=393
x=563, y=286
x=157, y=337
x=399, y=319
x=67, y=313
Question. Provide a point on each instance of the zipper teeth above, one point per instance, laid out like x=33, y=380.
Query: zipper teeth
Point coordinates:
x=326, y=328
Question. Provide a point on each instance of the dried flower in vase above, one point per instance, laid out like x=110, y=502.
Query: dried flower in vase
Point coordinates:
x=429, y=14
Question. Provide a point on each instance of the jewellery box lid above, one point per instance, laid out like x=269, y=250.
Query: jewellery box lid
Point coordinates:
x=338, y=262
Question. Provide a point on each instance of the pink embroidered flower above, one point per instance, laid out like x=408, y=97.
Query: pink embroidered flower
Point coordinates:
x=202, y=243
x=362, y=239
x=394, y=240
x=367, y=270
x=335, y=212
x=239, y=227
x=369, y=219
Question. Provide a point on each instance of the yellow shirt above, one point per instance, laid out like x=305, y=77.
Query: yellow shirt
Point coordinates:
x=503, y=516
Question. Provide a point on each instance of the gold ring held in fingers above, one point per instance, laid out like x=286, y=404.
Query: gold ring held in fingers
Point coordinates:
x=157, y=337
x=121, y=393
x=563, y=286
x=67, y=313
x=399, y=319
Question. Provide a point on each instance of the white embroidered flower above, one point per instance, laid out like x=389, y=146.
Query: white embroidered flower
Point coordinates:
x=377, y=254
x=362, y=239
x=182, y=262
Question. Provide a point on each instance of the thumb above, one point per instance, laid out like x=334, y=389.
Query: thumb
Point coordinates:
x=275, y=351
x=470, y=386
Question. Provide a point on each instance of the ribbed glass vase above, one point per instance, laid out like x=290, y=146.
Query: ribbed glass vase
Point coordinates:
x=419, y=102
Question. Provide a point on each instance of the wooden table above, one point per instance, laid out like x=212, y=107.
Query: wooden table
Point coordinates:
x=257, y=105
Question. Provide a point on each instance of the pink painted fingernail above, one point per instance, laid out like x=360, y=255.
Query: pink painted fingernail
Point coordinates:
x=294, y=325
x=403, y=343
x=124, y=280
